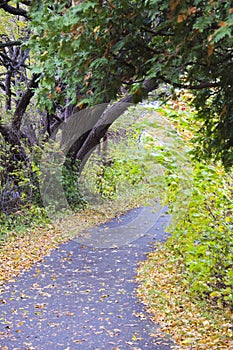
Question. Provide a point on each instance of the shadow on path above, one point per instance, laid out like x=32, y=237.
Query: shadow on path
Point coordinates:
x=83, y=295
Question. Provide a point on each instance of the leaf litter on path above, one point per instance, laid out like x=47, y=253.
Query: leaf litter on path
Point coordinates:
x=194, y=326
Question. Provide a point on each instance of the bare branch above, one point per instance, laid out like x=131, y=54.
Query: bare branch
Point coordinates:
x=10, y=43
x=4, y=131
x=26, y=2
x=200, y=86
x=13, y=10
x=8, y=89
x=2, y=86
x=24, y=102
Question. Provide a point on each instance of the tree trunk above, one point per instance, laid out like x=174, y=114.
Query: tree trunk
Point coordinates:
x=8, y=89
x=109, y=116
x=24, y=102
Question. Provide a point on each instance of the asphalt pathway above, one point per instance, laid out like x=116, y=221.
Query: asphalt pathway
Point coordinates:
x=83, y=295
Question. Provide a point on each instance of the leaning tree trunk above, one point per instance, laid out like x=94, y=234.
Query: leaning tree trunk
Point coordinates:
x=111, y=114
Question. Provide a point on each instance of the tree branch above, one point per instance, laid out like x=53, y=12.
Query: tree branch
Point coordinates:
x=26, y=2
x=8, y=89
x=13, y=10
x=10, y=43
x=200, y=86
x=109, y=116
x=24, y=102
x=12, y=62
x=2, y=86
x=5, y=132
x=161, y=32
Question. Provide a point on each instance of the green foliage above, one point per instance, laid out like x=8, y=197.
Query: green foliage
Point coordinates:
x=89, y=41
x=11, y=26
x=199, y=54
x=59, y=176
x=119, y=171
x=96, y=47
x=202, y=239
x=123, y=173
x=19, y=190
x=19, y=178
x=141, y=161
x=24, y=218
x=199, y=195
x=70, y=176
x=21, y=205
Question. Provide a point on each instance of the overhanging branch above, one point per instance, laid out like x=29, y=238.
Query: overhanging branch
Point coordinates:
x=202, y=85
x=109, y=116
x=26, y=2
x=24, y=102
x=13, y=10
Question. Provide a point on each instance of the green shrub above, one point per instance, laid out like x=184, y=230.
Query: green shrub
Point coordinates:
x=202, y=238
x=70, y=176
x=120, y=174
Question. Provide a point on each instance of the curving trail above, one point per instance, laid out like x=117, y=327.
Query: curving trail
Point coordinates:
x=83, y=295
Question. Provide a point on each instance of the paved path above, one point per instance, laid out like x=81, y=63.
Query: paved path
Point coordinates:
x=84, y=296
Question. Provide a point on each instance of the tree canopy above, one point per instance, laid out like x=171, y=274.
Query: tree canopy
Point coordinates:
x=89, y=50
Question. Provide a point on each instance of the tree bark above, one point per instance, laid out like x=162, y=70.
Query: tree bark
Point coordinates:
x=13, y=10
x=8, y=89
x=109, y=116
x=24, y=102
x=10, y=43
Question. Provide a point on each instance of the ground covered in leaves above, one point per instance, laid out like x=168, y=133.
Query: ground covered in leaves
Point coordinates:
x=84, y=297
x=20, y=250
x=192, y=325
